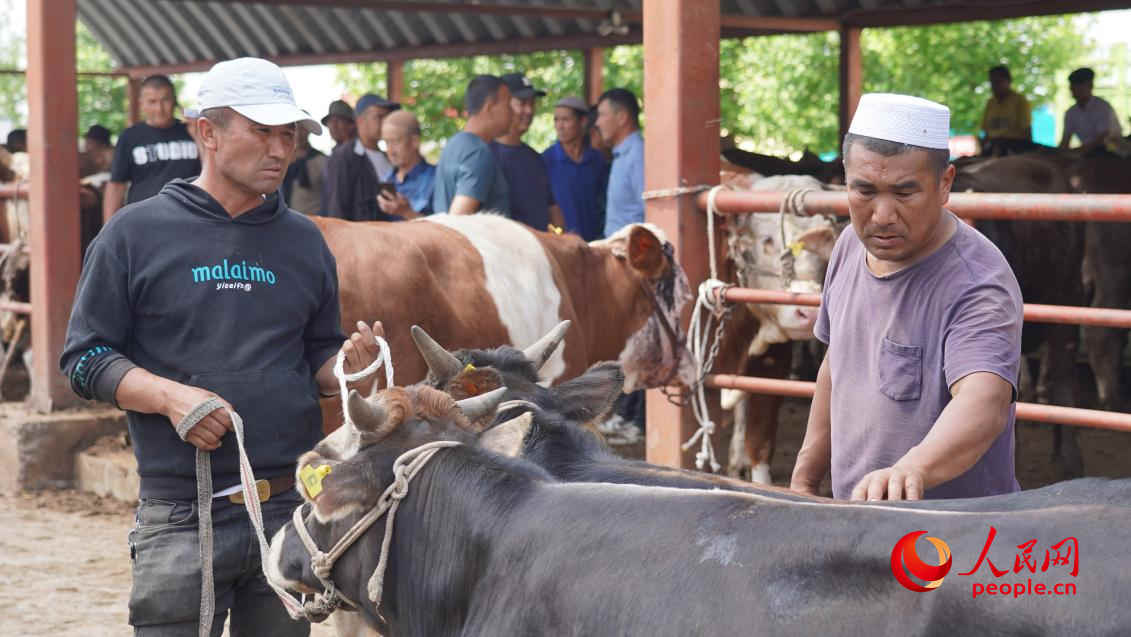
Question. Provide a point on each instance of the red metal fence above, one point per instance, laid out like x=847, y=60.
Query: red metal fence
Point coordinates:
x=1031, y=207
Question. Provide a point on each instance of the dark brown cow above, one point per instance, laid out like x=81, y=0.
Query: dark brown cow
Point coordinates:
x=483, y=281
x=1046, y=257
x=1107, y=271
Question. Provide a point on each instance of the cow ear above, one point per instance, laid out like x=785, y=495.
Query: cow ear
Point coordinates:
x=506, y=438
x=820, y=240
x=590, y=396
x=646, y=252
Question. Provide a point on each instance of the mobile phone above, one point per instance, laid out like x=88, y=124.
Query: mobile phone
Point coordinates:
x=388, y=188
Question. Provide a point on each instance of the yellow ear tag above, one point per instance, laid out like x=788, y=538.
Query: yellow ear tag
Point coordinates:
x=796, y=248
x=469, y=368
x=312, y=478
x=555, y=229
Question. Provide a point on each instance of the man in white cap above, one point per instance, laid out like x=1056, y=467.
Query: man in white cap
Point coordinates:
x=922, y=316
x=214, y=288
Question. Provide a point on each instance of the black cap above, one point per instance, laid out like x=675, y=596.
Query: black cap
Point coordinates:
x=98, y=133
x=521, y=87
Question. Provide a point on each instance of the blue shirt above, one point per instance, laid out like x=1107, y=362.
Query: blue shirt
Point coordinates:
x=529, y=184
x=468, y=167
x=579, y=189
x=416, y=187
x=625, y=203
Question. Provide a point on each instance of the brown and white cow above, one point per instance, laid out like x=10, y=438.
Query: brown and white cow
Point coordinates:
x=483, y=280
x=784, y=252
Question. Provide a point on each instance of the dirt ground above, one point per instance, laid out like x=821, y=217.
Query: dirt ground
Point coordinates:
x=65, y=567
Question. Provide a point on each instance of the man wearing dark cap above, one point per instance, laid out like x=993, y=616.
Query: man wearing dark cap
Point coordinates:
x=340, y=122
x=98, y=151
x=468, y=176
x=1091, y=118
x=579, y=173
x=531, y=200
x=354, y=167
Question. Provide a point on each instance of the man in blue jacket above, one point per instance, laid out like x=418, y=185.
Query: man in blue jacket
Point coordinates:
x=214, y=288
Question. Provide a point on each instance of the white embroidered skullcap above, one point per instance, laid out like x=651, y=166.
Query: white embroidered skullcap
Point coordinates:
x=902, y=118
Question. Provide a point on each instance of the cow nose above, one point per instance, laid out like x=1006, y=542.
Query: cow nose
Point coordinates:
x=807, y=314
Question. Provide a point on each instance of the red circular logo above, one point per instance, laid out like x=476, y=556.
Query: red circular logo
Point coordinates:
x=905, y=559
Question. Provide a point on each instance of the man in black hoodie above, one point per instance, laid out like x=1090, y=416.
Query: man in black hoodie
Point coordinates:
x=214, y=288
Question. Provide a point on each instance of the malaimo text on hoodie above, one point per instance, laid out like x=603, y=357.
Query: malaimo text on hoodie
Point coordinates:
x=234, y=276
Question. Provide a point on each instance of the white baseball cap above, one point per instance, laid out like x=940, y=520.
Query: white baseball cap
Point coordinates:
x=902, y=118
x=256, y=89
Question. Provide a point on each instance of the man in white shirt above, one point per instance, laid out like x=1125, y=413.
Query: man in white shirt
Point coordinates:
x=1091, y=118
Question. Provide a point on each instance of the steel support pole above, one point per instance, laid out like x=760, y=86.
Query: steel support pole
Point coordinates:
x=851, y=75
x=394, y=80
x=54, y=200
x=681, y=99
x=593, y=74
x=133, y=97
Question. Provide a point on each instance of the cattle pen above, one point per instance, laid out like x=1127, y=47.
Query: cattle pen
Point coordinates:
x=968, y=206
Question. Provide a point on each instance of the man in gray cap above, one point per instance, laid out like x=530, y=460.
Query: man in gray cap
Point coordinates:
x=340, y=122
x=531, y=200
x=354, y=167
x=579, y=174
x=214, y=294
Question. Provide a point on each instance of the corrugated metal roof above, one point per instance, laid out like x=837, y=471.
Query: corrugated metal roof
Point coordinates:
x=183, y=34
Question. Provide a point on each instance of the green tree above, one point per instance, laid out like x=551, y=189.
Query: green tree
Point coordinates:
x=101, y=99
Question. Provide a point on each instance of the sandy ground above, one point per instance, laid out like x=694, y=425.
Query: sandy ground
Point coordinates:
x=65, y=567
x=65, y=570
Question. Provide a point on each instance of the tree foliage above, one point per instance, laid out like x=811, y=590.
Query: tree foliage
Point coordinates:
x=101, y=99
x=780, y=94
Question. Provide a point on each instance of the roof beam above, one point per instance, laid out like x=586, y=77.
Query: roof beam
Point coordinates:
x=405, y=29
x=974, y=11
x=415, y=53
x=350, y=19
x=322, y=21
x=257, y=27
x=379, y=27
x=765, y=23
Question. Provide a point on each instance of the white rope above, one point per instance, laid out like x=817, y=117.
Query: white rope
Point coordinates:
x=295, y=609
x=405, y=468
x=703, y=343
x=385, y=357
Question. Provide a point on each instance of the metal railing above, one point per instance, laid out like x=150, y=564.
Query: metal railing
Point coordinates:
x=1031, y=207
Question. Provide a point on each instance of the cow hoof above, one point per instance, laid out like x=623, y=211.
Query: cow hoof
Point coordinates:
x=760, y=474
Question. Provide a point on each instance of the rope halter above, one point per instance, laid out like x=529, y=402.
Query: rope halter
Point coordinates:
x=405, y=468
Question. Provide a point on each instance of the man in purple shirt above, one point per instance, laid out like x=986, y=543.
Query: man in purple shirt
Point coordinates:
x=922, y=315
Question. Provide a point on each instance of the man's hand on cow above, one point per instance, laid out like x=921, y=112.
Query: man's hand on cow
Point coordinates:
x=206, y=434
x=899, y=482
x=361, y=349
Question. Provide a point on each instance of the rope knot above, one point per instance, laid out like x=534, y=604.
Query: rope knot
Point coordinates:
x=321, y=565
x=400, y=484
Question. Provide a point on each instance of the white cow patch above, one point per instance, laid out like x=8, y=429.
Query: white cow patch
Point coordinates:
x=519, y=279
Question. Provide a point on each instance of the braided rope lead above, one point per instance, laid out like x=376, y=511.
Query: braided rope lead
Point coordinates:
x=250, y=493
x=703, y=350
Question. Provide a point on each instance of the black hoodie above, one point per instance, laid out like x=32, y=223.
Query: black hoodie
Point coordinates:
x=245, y=307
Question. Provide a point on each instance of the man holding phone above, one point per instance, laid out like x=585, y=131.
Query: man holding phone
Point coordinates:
x=406, y=189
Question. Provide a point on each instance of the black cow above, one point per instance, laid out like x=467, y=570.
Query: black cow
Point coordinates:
x=559, y=443
x=487, y=545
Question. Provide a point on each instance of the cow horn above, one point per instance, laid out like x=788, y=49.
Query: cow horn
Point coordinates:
x=479, y=406
x=441, y=363
x=366, y=415
x=543, y=349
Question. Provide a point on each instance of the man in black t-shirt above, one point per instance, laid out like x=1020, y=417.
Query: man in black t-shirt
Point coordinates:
x=152, y=153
